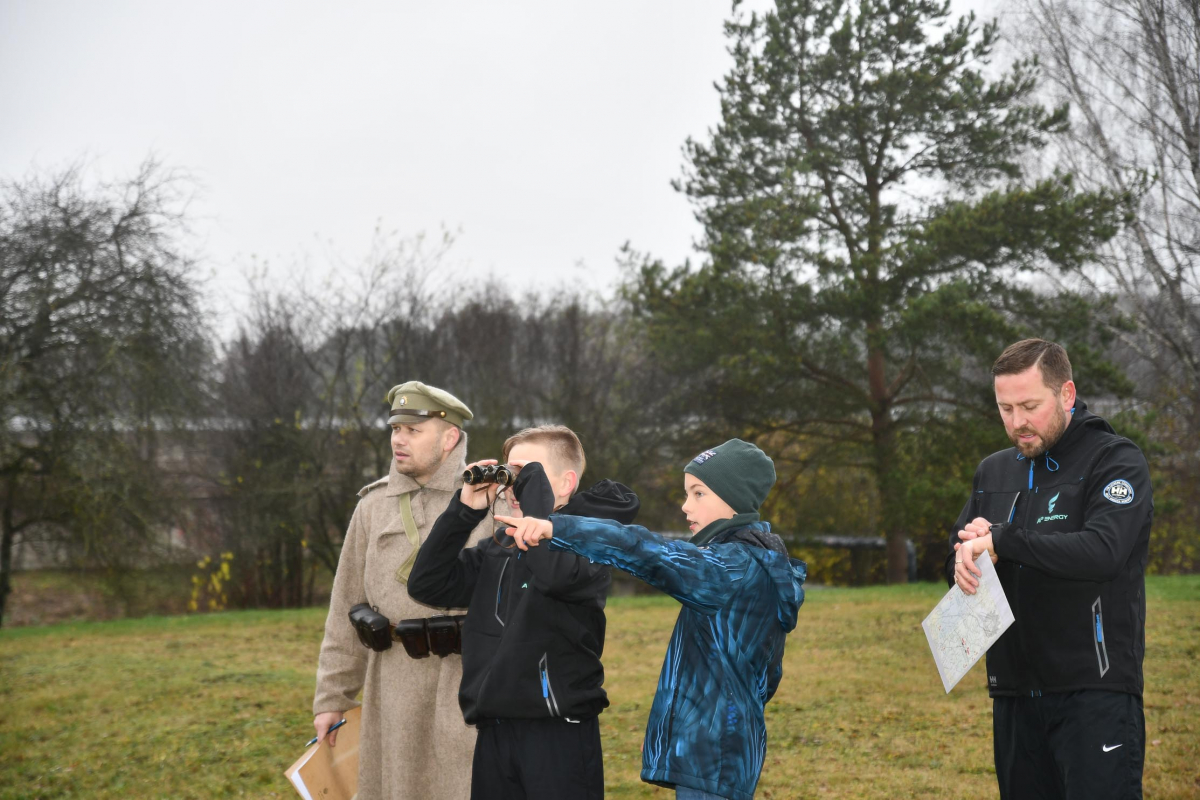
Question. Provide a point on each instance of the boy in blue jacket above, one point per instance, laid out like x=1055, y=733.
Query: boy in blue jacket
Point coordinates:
x=740, y=591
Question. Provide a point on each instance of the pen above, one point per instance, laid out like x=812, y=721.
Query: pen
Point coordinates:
x=332, y=728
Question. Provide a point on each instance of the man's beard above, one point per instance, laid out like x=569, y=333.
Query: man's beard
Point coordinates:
x=421, y=466
x=1045, y=440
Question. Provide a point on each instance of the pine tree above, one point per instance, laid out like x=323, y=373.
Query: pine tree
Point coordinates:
x=871, y=237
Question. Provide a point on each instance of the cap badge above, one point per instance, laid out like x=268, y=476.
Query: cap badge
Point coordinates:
x=705, y=456
x=403, y=400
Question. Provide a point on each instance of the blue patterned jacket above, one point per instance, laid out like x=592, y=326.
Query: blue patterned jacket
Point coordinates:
x=740, y=596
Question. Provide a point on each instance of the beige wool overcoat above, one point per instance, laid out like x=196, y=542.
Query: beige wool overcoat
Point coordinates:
x=414, y=744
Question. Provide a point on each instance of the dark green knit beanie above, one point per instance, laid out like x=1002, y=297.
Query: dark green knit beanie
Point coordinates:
x=739, y=473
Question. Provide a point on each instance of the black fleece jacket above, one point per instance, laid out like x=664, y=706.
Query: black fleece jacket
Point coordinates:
x=535, y=623
x=1072, y=539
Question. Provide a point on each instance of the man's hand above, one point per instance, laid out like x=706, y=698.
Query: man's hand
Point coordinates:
x=966, y=574
x=478, y=496
x=528, y=531
x=975, y=528
x=323, y=722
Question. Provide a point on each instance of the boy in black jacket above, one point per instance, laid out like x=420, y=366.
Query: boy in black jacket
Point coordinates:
x=534, y=633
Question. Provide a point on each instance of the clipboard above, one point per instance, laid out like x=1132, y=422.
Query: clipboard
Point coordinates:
x=329, y=773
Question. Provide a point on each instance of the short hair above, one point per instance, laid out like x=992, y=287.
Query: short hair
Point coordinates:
x=564, y=446
x=1050, y=358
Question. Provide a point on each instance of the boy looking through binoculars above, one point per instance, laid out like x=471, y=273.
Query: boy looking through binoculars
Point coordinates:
x=534, y=632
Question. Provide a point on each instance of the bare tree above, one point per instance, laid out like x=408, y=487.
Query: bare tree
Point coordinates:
x=302, y=424
x=568, y=359
x=1131, y=71
x=100, y=349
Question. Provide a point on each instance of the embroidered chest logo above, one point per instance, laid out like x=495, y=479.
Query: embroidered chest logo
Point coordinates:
x=1050, y=516
x=1119, y=492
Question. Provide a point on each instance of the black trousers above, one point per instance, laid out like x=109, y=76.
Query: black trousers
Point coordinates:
x=1086, y=745
x=538, y=759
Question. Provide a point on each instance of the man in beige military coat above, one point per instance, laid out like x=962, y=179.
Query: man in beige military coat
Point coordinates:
x=414, y=744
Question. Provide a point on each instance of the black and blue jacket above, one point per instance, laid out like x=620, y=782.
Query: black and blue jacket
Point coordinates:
x=534, y=633
x=740, y=596
x=1071, y=530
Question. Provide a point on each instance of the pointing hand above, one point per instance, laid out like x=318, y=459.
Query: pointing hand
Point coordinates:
x=527, y=531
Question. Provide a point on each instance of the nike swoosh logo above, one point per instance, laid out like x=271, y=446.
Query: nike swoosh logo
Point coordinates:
x=1106, y=748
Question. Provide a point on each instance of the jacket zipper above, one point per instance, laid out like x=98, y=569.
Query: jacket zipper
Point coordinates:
x=1101, y=647
x=499, y=590
x=1029, y=504
x=671, y=719
x=547, y=689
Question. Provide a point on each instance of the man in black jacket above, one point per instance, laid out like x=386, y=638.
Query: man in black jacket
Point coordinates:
x=1065, y=515
x=534, y=633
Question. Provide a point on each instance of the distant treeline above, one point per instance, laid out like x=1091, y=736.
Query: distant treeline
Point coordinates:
x=881, y=215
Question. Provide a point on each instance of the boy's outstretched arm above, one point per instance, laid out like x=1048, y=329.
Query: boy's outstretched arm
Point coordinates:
x=698, y=577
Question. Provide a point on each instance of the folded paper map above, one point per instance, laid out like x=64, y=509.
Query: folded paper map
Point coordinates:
x=962, y=627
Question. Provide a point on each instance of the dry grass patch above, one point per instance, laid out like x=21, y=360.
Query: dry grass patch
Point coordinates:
x=217, y=705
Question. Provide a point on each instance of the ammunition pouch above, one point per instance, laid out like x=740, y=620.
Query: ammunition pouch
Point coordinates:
x=440, y=635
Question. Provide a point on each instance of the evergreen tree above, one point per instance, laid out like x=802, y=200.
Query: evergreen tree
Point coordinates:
x=871, y=238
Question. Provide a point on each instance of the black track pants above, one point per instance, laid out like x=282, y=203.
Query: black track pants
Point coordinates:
x=538, y=759
x=1086, y=745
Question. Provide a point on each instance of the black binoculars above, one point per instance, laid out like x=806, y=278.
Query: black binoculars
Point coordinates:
x=440, y=636
x=502, y=474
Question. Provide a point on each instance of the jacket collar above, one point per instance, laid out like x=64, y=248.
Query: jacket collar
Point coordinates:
x=715, y=528
x=1081, y=419
x=448, y=477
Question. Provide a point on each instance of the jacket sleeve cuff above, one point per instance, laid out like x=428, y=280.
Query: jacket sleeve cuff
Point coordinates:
x=999, y=533
x=464, y=512
x=334, y=705
x=533, y=491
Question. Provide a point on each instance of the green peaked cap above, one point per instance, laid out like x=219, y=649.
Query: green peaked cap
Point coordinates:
x=414, y=402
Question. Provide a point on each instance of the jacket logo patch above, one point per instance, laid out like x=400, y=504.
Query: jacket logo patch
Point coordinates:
x=1050, y=516
x=1119, y=492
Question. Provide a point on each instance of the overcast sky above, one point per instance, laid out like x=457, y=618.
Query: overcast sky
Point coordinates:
x=545, y=134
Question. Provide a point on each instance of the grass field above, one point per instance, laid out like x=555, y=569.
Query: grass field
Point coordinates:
x=217, y=705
